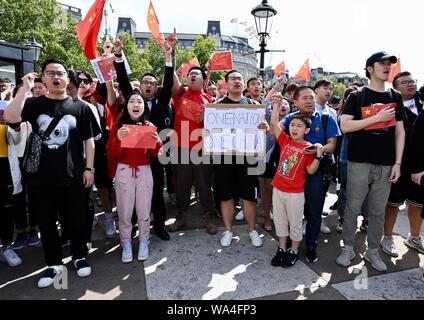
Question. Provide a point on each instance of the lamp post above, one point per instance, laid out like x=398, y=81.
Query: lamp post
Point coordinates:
x=35, y=48
x=263, y=14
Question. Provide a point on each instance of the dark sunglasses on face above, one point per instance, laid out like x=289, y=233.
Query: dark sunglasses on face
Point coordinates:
x=85, y=80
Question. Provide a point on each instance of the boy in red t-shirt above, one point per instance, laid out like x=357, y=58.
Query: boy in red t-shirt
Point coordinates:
x=288, y=197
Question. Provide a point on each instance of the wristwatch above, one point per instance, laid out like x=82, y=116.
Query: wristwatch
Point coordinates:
x=318, y=158
x=90, y=169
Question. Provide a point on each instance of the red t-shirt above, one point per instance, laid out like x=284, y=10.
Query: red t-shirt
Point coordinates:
x=290, y=175
x=187, y=104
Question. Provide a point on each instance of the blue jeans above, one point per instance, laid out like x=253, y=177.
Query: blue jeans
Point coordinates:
x=314, y=186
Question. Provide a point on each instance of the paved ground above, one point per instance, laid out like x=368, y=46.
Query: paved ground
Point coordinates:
x=194, y=266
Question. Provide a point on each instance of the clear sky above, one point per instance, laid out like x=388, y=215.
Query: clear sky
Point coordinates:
x=337, y=35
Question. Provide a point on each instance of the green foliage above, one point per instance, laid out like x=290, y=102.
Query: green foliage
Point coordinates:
x=50, y=26
x=138, y=64
x=339, y=89
x=203, y=49
x=55, y=31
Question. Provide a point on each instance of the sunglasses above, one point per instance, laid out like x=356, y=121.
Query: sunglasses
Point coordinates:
x=85, y=80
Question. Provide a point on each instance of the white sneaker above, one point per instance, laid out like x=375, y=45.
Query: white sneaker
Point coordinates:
x=127, y=255
x=226, y=239
x=143, y=250
x=415, y=243
x=82, y=267
x=256, y=239
x=110, y=225
x=50, y=276
x=388, y=246
x=10, y=257
x=346, y=256
x=240, y=215
x=324, y=228
x=372, y=256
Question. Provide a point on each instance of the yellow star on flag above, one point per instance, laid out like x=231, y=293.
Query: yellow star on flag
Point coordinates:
x=367, y=112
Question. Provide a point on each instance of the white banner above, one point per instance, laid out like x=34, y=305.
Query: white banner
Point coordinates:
x=233, y=129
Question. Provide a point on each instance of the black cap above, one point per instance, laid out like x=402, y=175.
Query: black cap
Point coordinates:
x=380, y=56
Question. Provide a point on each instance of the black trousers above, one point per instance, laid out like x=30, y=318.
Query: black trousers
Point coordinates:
x=72, y=200
x=158, y=201
x=24, y=212
x=6, y=203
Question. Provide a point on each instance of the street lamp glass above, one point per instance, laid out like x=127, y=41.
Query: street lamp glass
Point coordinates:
x=35, y=48
x=263, y=13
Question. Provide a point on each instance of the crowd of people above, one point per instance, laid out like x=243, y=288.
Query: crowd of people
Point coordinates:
x=368, y=141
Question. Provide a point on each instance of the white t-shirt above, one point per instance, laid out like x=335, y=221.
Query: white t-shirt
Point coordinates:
x=410, y=104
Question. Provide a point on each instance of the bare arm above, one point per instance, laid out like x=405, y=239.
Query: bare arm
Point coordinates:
x=400, y=145
x=314, y=166
x=330, y=147
x=347, y=123
x=177, y=84
x=276, y=88
x=13, y=112
x=276, y=128
x=111, y=94
x=88, y=177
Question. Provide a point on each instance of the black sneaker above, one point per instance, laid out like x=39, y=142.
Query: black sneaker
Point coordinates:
x=311, y=255
x=290, y=259
x=333, y=206
x=278, y=259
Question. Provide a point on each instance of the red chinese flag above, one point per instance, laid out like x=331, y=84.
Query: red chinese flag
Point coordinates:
x=189, y=109
x=88, y=29
x=139, y=137
x=304, y=73
x=153, y=23
x=373, y=110
x=280, y=69
x=221, y=61
x=395, y=70
x=185, y=67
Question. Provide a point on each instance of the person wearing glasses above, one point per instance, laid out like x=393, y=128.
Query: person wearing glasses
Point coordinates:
x=186, y=146
x=405, y=189
x=62, y=175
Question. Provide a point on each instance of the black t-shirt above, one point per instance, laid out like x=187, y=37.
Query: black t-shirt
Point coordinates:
x=62, y=155
x=375, y=146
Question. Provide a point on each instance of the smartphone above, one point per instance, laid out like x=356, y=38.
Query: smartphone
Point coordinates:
x=310, y=148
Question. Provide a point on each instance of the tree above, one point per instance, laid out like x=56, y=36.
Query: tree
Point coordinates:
x=138, y=63
x=50, y=26
x=339, y=89
x=203, y=49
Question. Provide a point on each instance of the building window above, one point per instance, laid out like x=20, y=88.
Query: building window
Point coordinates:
x=8, y=71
